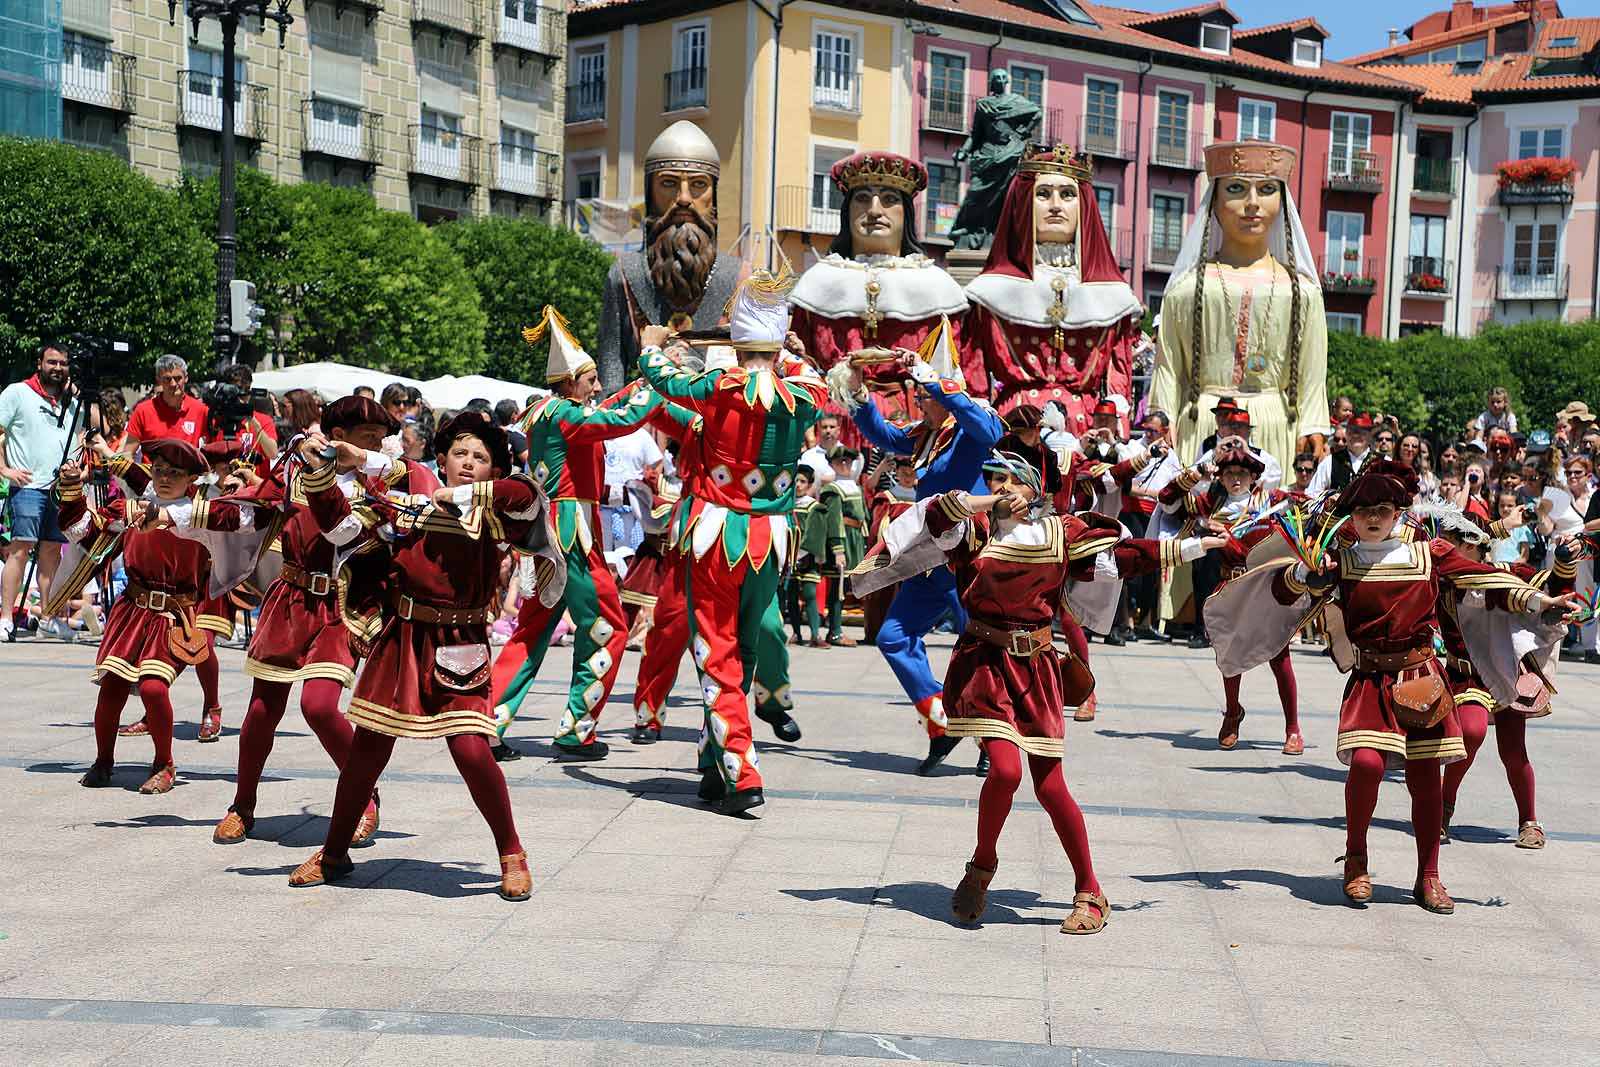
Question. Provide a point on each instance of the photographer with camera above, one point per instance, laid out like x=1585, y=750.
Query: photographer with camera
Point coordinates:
x=40, y=419
x=1234, y=421
x=233, y=414
x=171, y=413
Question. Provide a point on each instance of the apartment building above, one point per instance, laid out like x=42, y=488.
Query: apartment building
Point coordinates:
x=441, y=108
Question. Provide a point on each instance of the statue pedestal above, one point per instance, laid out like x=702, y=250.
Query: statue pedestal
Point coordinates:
x=965, y=264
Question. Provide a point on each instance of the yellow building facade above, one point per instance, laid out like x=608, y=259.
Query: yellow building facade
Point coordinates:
x=842, y=83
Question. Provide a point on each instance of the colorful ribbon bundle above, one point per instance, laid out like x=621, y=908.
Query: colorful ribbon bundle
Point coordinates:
x=1310, y=547
x=1250, y=520
x=1590, y=608
x=1427, y=527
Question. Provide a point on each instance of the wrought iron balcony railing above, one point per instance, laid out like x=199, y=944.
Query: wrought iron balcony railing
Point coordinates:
x=586, y=101
x=526, y=171
x=200, y=105
x=341, y=131
x=438, y=152
x=95, y=75
x=684, y=89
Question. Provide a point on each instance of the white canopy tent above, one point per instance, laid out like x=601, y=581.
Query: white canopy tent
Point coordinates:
x=449, y=393
x=331, y=381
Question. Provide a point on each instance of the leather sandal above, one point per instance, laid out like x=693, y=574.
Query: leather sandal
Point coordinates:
x=516, y=881
x=97, y=777
x=1357, y=882
x=368, y=824
x=233, y=828
x=161, y=780
x=1228, y=736
x=1294, y=745
x=318, y=871
x=971, y=895
x=134, y=729
x=1530, y=835
x=1444, y=827
x=210, y=726
x=1430, y=895
x=1086, y=710
x=1089, y=914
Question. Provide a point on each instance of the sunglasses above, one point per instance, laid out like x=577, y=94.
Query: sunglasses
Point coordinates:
x=1305, y=470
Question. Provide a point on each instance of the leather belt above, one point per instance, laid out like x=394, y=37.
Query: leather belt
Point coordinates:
x=314, y=582
x=158, y=599
x=1391, y=662
x=854, y=524
x=1024, y=644
x=416, y=611
x=1460, y=666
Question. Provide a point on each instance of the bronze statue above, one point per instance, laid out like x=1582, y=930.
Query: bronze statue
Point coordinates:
x=1002, y=124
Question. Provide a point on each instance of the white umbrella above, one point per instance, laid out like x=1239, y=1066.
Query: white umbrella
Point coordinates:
x=450, y=393
x=330, y=381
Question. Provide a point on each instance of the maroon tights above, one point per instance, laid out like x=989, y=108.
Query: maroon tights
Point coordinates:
x=319, y=703
x=209, y=672
x=1511, y=738
x=1427, y=805
x=1288, y=691
x=114, y=694
x=994, y=804
x=369, y=754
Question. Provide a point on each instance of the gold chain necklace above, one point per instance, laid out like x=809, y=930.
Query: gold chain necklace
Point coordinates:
x=1249, y=350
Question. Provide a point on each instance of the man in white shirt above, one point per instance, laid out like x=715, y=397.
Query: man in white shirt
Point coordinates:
x=628, y=459
x=816, y=457
x=1236, y=423
x=1337, y=468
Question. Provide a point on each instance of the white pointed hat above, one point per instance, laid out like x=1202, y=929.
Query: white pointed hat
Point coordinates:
x=758, y=314
x=567, y=358
x=720, y=357
x=939, y=350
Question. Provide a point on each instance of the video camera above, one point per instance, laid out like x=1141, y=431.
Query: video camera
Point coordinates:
x=231, y=406
x=95, y=362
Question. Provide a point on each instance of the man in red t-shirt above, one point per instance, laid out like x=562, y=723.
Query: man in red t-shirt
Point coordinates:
x=171, y=413
x=257, y=435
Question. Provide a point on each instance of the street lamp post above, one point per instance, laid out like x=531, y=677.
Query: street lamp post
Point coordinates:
x=228, y=13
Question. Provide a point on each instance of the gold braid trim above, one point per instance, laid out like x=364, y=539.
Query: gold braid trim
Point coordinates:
x=316, y=481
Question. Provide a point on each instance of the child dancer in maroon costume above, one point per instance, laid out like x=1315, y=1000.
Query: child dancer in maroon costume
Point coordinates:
x=167, y=577
x=1234, y=495
x=1012, y=568
x=427, y=672
x=1388, y=589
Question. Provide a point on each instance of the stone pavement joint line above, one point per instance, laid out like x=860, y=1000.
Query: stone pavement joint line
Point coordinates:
x=705, y=1036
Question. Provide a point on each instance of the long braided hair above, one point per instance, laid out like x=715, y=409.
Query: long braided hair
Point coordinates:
x=1296, y=323
x=1197, y=322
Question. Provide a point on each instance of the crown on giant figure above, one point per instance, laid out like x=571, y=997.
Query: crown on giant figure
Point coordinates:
x=1057, y=159
x=879, y=168
x=1253, y=159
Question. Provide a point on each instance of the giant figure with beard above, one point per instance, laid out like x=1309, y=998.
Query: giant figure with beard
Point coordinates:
x=679, y=270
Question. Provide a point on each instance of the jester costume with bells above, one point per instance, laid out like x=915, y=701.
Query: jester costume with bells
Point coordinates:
x=733, y=523
x=949, y=456
x=566, y=445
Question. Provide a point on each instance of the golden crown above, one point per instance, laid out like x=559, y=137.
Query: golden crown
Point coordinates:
x=1258, y=159
x=879, y=168
x=1057, y=159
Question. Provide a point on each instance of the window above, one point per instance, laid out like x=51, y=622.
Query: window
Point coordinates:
x=588, y=183
x=1344, y=322
x=1345, y=229
x=519, y=159
x=1307, y=53
x=825, y=197
x=202, y=98
x=1028, y=82
x=1563, y=42
x=439, y=143
x=1100, y=104
x=587, y=99
x=1166, y=227
x=1469, y=51
x=1427, y=246
x=335, y=127
x=1257, y=120
x=947, y=91
x=1105, y=198
x=1172, y=128
x=833, y=71
x=1350, y=140
x=944, y=199
x=1533, y=249
x=686, y=83
x=1548, y=141
x=519, y=24
x=1215, y=37
x=85, y=67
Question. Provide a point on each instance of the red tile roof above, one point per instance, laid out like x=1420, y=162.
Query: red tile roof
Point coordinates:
x=1438, y=40
x=1440, y=82
x=1145, y=18
x=1297, y=24
x=1509, y=73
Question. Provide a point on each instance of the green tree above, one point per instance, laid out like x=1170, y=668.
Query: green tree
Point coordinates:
x=1454, y=374
x=519, y=266
x=1376, y=376
x=375, y=288
x=262, y=227
x=87, y=244
x=1555, y=363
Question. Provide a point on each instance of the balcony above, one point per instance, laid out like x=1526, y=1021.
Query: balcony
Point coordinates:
x=1343, y=274
x=947, y=113
x=530, y=30
x=437, y=152
x=840, y=93
x=1055, y=125
x=1121, y=245
x=1177, y=149
x=1429, y=276
x=1526, y=280
x=1353, y=173
x=341, y=132
x=370, y=9
x=1434, y=178
x=526, y=171
x=95, y=75
x=448, y=18
x=200, y=105
x=1107, y=138
x=586, y=101
x=1541, y=191
x=684, y=89
x=798, y=212
x=1163, y=253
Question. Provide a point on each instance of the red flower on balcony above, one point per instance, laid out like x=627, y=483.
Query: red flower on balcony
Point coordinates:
x=1425, y=283
x=1540, y=170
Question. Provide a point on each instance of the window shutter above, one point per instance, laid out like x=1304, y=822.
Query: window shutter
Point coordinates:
x=336, y=75
x=92, y=17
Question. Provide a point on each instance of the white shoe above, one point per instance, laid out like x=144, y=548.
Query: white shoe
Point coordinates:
x=8, y=630
x=58, y=628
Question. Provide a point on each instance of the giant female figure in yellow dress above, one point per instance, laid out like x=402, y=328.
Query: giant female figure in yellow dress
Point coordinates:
x=1242, y=315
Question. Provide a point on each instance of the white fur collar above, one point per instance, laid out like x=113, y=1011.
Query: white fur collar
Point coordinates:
x=912, y=288
x=1028, y=301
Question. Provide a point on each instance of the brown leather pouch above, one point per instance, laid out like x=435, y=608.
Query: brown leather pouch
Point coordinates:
x=461, y=668
x=1533, y=696
x=1077, y=681
x=186, y=641
x=1422, y=701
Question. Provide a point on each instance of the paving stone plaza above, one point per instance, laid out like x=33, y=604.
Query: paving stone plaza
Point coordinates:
x=662, y=934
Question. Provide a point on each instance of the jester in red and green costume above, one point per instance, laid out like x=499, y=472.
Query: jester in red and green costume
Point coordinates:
x=566, y=446
x=734, y=521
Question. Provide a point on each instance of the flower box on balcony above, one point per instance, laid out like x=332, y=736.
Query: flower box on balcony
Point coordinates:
x=1540, y=180
x=1349, y=283
x=1427, y=283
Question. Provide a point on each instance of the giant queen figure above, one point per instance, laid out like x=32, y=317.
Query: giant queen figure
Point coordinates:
x=1242, y=315
x=679, y=271
x=1052, y=317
